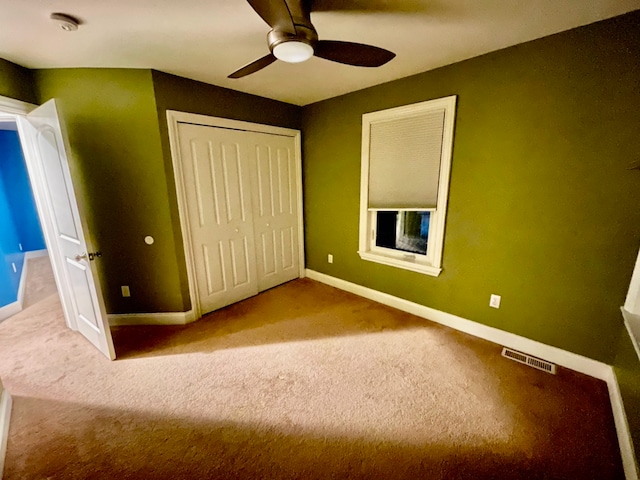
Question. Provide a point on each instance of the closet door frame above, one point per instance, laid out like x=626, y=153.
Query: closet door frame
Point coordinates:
x=174, y=118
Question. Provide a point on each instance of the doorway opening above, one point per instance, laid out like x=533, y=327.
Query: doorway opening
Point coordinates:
x=44, y=146
x=22, y=243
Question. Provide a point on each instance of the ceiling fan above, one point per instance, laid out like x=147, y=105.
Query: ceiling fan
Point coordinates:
x=293, y=39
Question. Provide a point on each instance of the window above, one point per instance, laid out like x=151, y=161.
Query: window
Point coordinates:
x=402, y=230
x=406, y=160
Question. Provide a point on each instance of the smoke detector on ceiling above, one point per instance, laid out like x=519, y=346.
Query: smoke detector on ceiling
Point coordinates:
x=66, y=22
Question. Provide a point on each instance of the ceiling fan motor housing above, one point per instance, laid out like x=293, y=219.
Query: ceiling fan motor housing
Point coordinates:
x=303, y=34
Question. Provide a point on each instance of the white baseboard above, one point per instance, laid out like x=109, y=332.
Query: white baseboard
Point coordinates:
x=556, y=355
x=629, y=460
x=23, y=282
x=566, y=359
x=10, y=310
x=5, y=416
x=16, y=307
x=36, y=253
x=170, y=318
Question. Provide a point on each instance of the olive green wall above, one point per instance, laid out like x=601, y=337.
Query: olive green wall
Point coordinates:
x=542, y=208
x=116, y=123
x=627, y=368
x=112, y=124
x=185, y=95
x=16, y=82
x=182, y=94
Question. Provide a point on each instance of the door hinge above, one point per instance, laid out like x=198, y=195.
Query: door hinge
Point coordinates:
x=93, y=255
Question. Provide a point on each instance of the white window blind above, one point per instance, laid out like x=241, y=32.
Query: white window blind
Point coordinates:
x=404, y=161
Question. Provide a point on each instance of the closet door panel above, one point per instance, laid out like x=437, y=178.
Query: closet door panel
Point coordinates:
x=289, y=252
x=217, y=172
x=267, y=245
x=213, y=264
x=275, y=210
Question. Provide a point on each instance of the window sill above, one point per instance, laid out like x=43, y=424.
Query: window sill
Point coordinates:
x=396, y=262
x=632, y=323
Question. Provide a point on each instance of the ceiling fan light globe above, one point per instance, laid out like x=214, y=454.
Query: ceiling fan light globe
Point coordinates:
x=293, y=51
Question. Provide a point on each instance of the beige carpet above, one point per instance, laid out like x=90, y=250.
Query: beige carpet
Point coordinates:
x=301, y=382
x=41, y=283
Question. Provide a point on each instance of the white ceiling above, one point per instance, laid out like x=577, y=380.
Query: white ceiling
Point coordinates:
x=208, y=39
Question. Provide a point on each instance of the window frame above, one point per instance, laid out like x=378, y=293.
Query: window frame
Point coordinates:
x=431, y=263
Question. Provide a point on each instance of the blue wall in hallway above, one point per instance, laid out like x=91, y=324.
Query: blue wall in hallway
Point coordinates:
x=9, y=252
x=13, y=170
x=19, y=223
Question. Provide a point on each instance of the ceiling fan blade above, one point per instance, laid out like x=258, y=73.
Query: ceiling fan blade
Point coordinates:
x=276, y=13
x=254, y=66
x=350, y=53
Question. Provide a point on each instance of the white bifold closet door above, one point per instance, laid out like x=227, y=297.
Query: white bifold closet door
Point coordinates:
x=241, y=200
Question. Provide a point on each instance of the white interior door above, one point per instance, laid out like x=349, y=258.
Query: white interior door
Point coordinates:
x=216, y=172
x=275, y=208
x=81, y=297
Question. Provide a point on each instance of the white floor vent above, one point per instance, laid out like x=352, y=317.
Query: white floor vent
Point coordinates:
x=529, y=360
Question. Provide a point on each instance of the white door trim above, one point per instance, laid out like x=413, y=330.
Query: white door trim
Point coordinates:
x=15, y=107
x=173, y=119
x=5, y=418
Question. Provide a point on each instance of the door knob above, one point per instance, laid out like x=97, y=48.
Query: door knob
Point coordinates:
x=82, y=256
x=237, y=230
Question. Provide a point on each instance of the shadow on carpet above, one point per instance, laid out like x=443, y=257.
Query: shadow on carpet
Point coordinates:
x=79, y=442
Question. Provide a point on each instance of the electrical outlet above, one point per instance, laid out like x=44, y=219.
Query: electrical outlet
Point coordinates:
x=330, y=258
x=125, y=291
x=495, y=301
